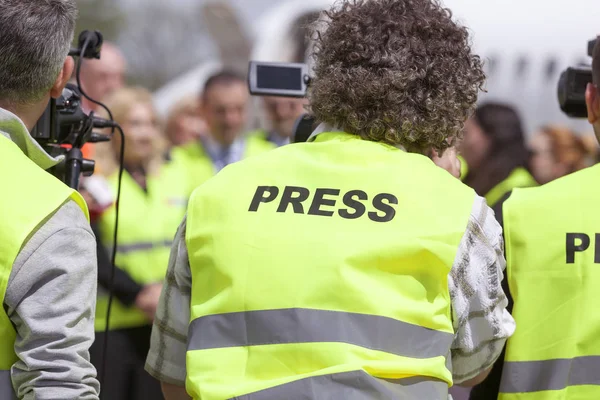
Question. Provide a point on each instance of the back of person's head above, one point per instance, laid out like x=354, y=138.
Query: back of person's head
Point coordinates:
x=501, y=124
x=503, y=151
x=592, y=92
x=35, y=37
x=395, y=71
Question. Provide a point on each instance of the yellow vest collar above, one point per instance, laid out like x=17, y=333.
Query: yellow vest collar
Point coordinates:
x=323, y=127
x=14, y=129
x=326, y=128
x=518, y=178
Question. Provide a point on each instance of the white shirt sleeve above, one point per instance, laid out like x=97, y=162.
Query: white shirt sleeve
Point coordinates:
x=481, y=322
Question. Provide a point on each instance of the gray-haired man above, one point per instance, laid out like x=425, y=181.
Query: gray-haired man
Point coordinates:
x=47, y=249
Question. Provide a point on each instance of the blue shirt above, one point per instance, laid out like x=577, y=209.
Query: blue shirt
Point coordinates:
x=221, y=155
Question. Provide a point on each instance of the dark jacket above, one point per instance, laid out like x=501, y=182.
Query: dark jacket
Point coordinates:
x=490, y=388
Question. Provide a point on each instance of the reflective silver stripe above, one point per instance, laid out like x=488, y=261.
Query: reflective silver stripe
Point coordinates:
x=299, y=325
x=140, y=246
x=537, y=376
x=6, y=389
x=355, y=385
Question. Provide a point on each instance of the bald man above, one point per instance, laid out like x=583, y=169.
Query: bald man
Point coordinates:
x=99, y=78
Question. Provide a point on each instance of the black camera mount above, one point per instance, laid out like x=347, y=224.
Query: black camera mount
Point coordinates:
x=65, y=128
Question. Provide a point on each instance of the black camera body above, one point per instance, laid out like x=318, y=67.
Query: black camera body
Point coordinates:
x=64, y=127
x=283, y=80
x=63, y=121
x=572, y=85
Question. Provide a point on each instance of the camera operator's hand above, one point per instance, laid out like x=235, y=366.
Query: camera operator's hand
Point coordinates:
x=448, y=161
x=147, y=299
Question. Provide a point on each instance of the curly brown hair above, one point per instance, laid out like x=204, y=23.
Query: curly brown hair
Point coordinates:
x=395, y=71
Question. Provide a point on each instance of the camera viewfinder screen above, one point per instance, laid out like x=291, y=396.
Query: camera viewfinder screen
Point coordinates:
x=281, y=78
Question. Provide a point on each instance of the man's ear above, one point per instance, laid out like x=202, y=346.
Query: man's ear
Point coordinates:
x=592, y=100
x=63, y=78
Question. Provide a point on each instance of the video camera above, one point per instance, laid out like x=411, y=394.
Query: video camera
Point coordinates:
x=283, y=80
x=572, y=85
x=64, y=127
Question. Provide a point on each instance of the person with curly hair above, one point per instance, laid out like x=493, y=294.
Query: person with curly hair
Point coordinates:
x=353, y=266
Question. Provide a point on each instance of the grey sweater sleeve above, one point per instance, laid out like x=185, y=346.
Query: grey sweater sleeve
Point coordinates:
x=51, y=298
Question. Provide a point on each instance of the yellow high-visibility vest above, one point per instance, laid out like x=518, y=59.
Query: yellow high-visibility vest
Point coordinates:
x=148, y=221
x=322, y=268
x=518, y=178
x=199, y=166
x=464, y=168
x=553, y=262
x=266, y=136
x=30, y=196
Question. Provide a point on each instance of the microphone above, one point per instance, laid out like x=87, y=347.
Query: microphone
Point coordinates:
x=94, y=42
x=101, y=123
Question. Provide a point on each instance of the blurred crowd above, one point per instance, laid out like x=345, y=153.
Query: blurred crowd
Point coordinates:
x=164, y=160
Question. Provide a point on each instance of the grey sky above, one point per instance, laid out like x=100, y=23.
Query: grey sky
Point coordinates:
x=250, y=9
x=253, y=8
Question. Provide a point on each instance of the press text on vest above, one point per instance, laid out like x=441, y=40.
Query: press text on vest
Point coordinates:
x=326, y=202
